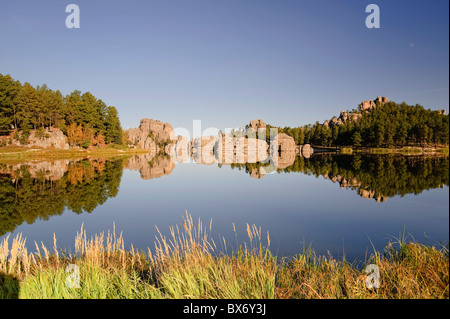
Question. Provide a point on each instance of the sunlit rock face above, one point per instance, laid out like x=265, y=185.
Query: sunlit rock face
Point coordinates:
x=370, y=105
x=257, y=124
x=51, y=138
x=150, y=133
x=363, y=107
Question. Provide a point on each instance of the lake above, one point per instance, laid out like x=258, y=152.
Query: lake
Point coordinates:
x=336, y=204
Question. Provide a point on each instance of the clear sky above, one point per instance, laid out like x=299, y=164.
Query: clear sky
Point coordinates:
x=227, y=62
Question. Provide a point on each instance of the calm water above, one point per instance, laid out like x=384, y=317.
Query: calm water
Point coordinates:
x=332, y=203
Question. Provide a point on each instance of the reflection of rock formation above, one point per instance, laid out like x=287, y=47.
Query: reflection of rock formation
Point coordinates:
x=236, y=148
x=257, y=173
x=305, y=150
x=228, y=149
x=49, y=170
x=180, y=150
x=283, y=150
x=203, y=150
x=353, y=183
x=150, y=166
x=77, y=170
x=232, y=149
x=369, y=194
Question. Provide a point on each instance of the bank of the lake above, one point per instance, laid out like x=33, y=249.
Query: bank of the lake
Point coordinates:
x=22, y=154
x=189, y=265
x=381, y=150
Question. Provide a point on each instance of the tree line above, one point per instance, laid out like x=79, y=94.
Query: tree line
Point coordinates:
x=85, y=186
x=383, y=175
x=389, y=125
x=85, y=119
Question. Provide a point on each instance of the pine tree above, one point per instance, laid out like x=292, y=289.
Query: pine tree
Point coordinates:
x=113, y=133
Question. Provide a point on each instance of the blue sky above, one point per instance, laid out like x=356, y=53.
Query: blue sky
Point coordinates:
x=227, y=62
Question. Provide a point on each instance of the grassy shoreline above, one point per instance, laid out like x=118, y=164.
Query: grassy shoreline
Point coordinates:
x=400, y=151
x=189, y=265
x=22, y=154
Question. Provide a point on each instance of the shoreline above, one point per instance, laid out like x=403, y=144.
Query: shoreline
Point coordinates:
x=188, y=265
x=23, y=154
x=409, y=150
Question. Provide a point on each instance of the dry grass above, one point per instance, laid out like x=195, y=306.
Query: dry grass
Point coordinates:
x=188, y=264
x=17, y=154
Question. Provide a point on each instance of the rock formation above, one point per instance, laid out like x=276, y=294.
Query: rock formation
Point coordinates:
x=150, y=134
x=365, y=106
x=223, y=149
x=354, y=184
x=257, y=124
x=370, y=105
x=54, y=138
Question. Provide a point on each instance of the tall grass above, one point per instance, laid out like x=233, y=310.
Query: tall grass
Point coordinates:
x=188, y=264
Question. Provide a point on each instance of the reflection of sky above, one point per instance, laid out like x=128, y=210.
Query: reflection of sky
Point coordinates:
x=296, y=209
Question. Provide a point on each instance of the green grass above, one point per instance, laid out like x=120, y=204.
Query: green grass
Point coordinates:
x=189, y=265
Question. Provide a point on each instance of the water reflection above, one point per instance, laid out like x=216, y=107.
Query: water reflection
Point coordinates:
x=38, y=190
x=43, y=189
x=371, y=176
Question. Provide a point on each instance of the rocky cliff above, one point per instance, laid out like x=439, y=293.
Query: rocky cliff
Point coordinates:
x=222, y=149
x=46, y=138
x=151, y=134
x=365, y=106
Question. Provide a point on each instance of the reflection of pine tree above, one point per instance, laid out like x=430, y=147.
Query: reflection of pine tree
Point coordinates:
x=84, y=187
x=385, y=175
